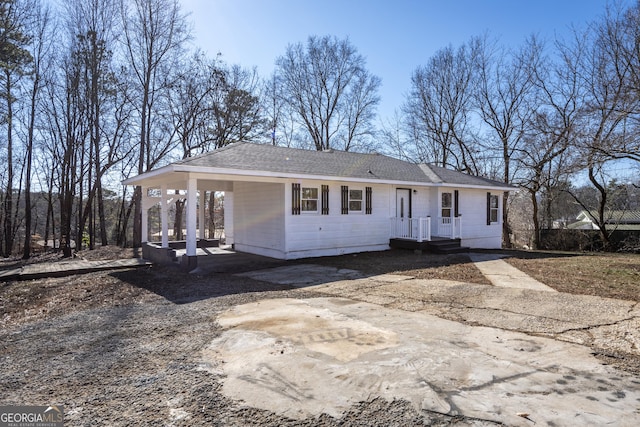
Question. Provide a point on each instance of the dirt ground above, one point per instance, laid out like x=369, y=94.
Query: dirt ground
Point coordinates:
x=121, y=348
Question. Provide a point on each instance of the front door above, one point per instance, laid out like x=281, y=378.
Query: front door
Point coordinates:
x=446, y=205
x=403, y=203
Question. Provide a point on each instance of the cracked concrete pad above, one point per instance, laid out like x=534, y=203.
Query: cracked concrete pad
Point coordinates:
x=301, y=358
x=622, y=336
x=509, y=308
x=302, y=275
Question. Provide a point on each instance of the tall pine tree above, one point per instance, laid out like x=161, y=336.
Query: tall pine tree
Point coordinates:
x=14, y=63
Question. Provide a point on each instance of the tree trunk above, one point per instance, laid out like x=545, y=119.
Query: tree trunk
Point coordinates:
x=506, y=228
x=534, y=217
x=102, y=219
x=177, y=225
x=8, y=201
x=601, y=220
x=27, y=183
x=123, y=219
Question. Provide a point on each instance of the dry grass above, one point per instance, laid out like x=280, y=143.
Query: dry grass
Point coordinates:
x=456, y=267
x=604, y=275
x=601, y=274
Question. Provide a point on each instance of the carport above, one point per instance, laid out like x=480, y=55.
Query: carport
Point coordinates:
x=162, y=187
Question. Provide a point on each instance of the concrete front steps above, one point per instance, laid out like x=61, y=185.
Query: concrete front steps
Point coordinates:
x=438, y=245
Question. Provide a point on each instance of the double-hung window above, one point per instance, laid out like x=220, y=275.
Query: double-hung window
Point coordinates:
x=309, y=199
x=492, y=208
x=355, y=200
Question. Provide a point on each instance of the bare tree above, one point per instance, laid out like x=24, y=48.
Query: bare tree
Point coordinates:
x=550, y=132
x=504, y=96
x=396, y=139
x=66, y=133
x=235, y=114
x=154, y=32
x=331, y=92
x=546, y=168
x=94, y=24
x=439, y=106
x=280, y=120
x=41, y=52
x=212, y=105
x=274, y=105
x=620, y=36
x=607, y=107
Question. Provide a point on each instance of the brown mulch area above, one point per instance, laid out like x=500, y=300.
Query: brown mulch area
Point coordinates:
x=605, y=275
x=29, y=300
x=128, y=342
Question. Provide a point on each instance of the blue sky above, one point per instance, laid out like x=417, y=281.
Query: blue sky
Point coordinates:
x=394, y=36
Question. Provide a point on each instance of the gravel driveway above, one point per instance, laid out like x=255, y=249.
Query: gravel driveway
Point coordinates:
x=139, y=363
x=138, y=360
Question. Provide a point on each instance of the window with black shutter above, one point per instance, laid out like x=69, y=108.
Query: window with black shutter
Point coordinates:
x=367, y=208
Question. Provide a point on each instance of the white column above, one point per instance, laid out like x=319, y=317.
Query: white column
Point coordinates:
x=201, y=225
x=164, y=214
x=145, y=216
x=192, y=197
x=228, y=217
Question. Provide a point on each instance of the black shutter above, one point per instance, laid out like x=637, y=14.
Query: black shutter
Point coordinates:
x=325, y=200
x=368, y=192
x=488, y=208
x=295, y=199
x=456, y=213
x=345, y=199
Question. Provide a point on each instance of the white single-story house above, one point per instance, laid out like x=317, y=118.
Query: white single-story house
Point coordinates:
x=291, y=203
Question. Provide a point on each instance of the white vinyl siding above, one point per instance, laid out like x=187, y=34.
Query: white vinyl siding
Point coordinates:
x=336, y=233
x=258, y=214
x=475, y=232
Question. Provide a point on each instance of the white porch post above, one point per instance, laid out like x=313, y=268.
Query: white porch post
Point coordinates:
x=192, y=197
x=228, y=217
x=145, y=216
x=201, y=227
x=164, y=213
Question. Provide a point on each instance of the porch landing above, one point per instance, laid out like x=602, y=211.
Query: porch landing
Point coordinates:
x=439, y=245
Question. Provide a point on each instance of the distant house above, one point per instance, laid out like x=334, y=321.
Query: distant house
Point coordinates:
x=290, y=203
x=614, y=220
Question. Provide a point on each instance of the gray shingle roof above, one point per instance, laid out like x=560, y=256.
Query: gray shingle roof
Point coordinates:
x=614, y=217
x=333, y=163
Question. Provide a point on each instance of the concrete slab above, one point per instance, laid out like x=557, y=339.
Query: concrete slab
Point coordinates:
x=65, y=268
x=301, y=358
x=502, y=274
x=302, y=275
